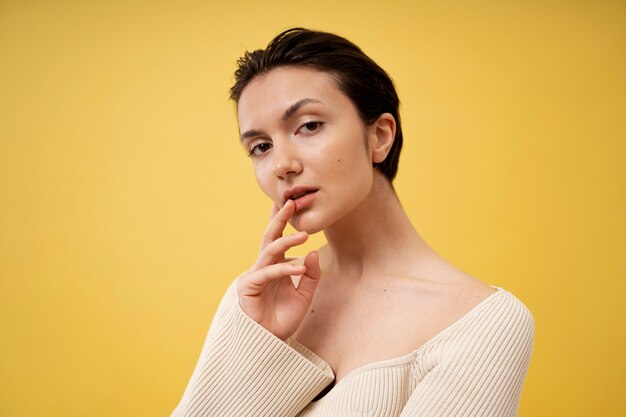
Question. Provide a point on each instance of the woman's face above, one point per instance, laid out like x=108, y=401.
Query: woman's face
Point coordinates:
x=308, y=143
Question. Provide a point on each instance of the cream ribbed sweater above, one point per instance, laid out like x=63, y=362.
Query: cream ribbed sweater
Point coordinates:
x=475, y=367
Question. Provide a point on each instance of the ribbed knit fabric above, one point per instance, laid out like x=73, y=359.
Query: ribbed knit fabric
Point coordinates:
x=475, y=367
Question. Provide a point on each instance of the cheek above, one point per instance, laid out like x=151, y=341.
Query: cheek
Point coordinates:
x=352, y=172
x=264, y=179
x=352, y=161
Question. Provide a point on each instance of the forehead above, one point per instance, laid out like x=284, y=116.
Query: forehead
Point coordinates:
x=267, y=96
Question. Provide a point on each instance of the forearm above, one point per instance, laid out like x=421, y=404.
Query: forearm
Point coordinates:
x=246, y=370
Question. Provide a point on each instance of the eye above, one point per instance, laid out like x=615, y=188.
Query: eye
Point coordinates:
x=260, y=149
x=309, y=127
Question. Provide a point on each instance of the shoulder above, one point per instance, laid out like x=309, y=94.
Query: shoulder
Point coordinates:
x=507, y=311
x=459, y=296
x=501, y=321
x=497, y=335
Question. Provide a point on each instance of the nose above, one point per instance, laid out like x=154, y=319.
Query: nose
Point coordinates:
x=285, y=161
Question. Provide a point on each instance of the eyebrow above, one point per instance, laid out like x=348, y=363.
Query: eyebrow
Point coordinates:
x=296, y=106
x=291, y=110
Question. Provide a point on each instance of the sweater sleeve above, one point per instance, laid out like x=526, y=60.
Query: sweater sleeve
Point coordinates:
x=481, y=373
x=245, y=370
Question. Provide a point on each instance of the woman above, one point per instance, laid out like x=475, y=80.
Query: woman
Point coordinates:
x=375, y=323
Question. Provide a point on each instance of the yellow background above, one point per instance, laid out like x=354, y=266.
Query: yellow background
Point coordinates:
x=128, y=206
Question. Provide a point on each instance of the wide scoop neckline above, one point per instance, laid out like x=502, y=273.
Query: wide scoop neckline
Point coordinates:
x=407, y=358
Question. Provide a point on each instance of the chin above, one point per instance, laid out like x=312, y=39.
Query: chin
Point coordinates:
x=307, y=222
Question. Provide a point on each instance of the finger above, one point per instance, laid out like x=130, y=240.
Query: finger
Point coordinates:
x=278, y=223
x=254, y=283
x=275, y=251
x=275, y=210
x=279, y=220
x=310, y=279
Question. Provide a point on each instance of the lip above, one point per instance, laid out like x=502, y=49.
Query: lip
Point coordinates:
x=305, y=201
x=297, y=190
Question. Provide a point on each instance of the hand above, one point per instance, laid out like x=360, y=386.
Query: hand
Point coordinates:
x=266, y=292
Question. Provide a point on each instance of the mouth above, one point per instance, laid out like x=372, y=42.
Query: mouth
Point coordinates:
x=297, y=193
x=297, y=196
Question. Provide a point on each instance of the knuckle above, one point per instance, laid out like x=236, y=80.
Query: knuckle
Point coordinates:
x=277, y=247
x=268, y=251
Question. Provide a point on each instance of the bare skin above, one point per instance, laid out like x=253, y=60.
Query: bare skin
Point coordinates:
x=266, y=292
x=386, y=309
x=366, y=310
x=377, y=290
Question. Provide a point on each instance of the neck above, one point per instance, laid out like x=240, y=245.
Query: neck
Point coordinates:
x=376, y=240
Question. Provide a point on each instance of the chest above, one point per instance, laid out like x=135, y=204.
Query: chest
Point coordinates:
x=352, y=333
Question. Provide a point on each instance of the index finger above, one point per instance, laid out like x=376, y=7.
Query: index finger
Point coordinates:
x=278, y=222
x=275, y=210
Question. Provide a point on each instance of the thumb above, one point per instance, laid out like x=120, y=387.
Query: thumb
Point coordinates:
x=310, y=279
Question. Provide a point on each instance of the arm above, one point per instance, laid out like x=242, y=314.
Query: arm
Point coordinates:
x=246, y=370
x=481, y=375
x=249, y=364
